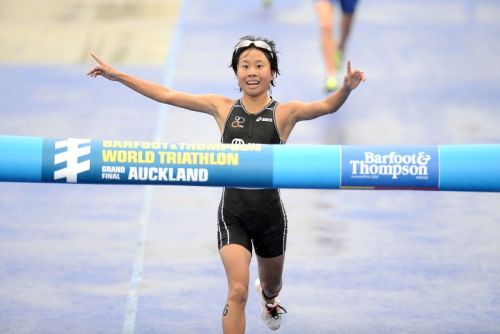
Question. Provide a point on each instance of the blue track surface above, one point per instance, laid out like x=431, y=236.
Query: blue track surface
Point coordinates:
x=357, y=261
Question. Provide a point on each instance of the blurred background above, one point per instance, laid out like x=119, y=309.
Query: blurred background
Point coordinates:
x=136, y=259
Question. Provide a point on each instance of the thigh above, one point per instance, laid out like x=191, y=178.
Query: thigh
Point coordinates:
x=236, y=260
x=271, y=228
x=324, y=10
x=231, y=229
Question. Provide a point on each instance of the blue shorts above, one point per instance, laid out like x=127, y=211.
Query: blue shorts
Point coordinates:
x=348, y=6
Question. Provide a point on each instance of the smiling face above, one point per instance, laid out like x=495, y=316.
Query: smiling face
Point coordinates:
x=254, y=72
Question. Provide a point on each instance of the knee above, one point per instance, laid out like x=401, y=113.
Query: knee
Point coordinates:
x=238, y=294
x=326, y=30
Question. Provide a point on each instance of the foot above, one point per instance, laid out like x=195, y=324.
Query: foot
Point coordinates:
x=331, y=84
x=271, y=312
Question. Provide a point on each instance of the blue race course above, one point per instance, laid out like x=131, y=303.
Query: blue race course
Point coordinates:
x=140, y=259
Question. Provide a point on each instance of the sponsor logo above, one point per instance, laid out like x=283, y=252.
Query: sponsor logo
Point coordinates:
x=237, y=141
x=390, y=168
x=238, y=122
x=74, y=150
x=392, y=164
x=264, y=119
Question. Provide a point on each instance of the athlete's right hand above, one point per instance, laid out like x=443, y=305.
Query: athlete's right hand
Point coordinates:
x=103, y=69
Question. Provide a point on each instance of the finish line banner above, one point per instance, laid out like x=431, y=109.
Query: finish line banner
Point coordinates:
x=128, y=162
x=72, y=160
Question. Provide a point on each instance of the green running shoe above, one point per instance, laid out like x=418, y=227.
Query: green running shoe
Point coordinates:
x=331, y=84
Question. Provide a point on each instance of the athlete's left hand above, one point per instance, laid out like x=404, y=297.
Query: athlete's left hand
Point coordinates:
x=353, y=78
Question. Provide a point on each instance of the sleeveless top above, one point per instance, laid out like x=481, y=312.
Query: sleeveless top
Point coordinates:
x=242, y=127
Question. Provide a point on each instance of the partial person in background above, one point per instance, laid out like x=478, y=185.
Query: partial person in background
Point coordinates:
x=266, y=3
x=333, y=52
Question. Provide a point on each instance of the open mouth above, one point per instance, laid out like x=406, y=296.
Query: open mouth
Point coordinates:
x=252, y=83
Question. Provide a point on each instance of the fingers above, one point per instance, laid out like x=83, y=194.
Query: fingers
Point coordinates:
x=360, y=75
x=94, y=72
x=96, y=58
x=100, y=69
x=353, y=77
x=357, y=73
x=363, y=76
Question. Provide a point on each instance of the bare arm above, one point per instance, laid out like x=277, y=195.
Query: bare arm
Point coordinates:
x=291, y=113
x=207, y=103
x=301, y=111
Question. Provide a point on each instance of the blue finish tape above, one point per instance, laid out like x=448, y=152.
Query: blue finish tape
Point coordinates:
x=72, y=160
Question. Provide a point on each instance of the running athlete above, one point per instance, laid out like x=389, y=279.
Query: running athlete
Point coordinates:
x=333, y=52
x=247, y=217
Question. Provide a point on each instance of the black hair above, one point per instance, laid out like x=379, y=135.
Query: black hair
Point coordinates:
x=272, y=56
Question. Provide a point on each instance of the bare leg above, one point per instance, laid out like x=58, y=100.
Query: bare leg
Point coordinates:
x=324, y=10
x=345, y=29
x=236, y=260
x=270, y=275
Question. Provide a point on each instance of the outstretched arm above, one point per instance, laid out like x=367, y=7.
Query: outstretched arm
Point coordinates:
x=301, y=111
x=207, y=103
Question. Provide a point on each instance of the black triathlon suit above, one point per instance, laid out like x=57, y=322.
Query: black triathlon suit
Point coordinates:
x=255, y=216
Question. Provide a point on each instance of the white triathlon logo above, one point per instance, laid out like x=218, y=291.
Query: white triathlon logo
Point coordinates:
x=70, y=156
